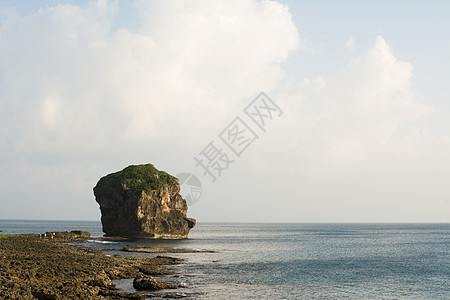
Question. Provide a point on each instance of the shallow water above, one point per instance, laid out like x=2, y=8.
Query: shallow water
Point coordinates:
x=297, y=261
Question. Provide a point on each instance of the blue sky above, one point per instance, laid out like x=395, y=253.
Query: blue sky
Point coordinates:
x=89, y=87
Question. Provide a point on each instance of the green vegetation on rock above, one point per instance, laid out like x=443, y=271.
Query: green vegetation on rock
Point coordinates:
x=138, y=178
x=176, y=222
x=5, y=236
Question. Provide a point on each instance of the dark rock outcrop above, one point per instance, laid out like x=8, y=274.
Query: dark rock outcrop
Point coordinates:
x=141, y=201
x=72, y=236
x=149, y=283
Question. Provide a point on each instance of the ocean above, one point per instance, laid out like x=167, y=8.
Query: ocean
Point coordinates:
x=294, y=261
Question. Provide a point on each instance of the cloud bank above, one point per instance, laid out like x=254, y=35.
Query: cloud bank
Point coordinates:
x=73, y=93
x=357, y=147
x=80, y=98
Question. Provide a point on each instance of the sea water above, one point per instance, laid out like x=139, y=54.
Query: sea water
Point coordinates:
x=296, y=261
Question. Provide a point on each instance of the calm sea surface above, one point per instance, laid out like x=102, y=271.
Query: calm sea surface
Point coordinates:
x=296, y=261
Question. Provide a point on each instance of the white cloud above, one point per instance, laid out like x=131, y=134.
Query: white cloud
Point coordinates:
x=186, y=59
x=72, y=90
x=353, y=146
x=360, y=109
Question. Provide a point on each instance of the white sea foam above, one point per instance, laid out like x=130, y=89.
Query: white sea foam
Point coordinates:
x=101, y=242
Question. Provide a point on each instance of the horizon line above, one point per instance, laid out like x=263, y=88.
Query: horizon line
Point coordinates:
x=257, y=222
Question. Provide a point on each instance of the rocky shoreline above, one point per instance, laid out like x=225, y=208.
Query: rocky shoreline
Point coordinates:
x=33, y=266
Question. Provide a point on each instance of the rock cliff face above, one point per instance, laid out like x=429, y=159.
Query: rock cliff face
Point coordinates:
x=141, y=201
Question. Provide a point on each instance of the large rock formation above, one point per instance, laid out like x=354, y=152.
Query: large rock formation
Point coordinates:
x=141, y=201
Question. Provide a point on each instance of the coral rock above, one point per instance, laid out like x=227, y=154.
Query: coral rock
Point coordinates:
x=141, y=201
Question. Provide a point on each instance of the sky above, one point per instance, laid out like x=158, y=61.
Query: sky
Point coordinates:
x=356, y=109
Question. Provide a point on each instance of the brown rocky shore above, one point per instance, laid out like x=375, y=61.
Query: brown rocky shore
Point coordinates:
x=33, y=267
